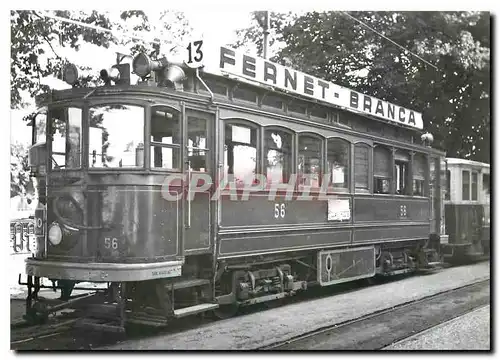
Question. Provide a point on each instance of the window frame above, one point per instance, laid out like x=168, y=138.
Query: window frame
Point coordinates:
x=49, y=137
x=369, y=175
x=151, y=143
x=472, y=186
x=389, y=177
x=350, y=149
x=244, y=123
x=293, y=155
x=296, y=155
x=469, y=185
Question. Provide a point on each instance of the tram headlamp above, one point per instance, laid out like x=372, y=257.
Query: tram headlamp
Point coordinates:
x=55, y=234
x=174, y=75
x=70, y=74
x=109, y=75
x=142, y=65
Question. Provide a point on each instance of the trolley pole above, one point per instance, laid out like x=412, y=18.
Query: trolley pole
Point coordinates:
x=266, y=33
x=264, y=22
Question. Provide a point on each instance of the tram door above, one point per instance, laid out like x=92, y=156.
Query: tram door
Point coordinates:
x=199, y=168
x=437, y=182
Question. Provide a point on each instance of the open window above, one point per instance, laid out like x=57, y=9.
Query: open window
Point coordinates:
x=240, y=152
x=309, y=161
x=465, y=185
x=278, y=155
x=165, y=138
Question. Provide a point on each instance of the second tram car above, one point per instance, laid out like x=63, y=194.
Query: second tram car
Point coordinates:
x=467, y=209
x=197, y=190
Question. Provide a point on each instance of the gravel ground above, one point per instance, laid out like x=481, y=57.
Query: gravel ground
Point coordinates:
x=267, y=327
x=467, y=332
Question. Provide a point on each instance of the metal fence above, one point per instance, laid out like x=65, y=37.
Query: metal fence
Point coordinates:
x=22, y=234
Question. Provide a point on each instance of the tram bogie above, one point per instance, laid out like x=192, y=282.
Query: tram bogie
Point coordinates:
x=192, y=191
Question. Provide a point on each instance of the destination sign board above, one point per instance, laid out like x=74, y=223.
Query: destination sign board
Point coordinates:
x=269, y=73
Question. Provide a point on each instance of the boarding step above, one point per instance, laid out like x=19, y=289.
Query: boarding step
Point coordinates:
x=99, y=325
x=142, y=318
x=188, y=283
x=196, y=309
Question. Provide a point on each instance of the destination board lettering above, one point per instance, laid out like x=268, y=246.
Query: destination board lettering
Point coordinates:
x=284, y=78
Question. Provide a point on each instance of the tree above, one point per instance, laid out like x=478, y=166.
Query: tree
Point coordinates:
x=39, y=44
x=454, y=98
x=19, y=170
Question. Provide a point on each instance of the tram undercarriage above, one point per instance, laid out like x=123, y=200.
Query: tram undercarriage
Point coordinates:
x=238, y=283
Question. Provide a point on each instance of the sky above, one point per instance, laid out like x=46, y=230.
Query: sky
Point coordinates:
x=216, y=26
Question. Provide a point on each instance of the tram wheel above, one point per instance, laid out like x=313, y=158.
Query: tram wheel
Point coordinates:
x=226, y=311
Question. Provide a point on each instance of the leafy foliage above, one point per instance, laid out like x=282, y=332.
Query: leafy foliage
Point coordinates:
x=19, y=170
x=454, y=99
x=39, y=43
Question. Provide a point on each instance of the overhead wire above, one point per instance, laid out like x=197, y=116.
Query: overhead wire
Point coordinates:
x=116, y=33
x=390, y=40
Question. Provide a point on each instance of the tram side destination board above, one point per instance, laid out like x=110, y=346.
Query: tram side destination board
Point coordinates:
x=239, y=64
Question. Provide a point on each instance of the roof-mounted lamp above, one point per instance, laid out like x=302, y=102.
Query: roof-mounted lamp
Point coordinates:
x=174, y=76
x=142, y=65
x=70, y=74
x=427, y=139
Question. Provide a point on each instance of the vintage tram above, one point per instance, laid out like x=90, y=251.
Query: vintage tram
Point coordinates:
x=467, y=210
x=211, y=189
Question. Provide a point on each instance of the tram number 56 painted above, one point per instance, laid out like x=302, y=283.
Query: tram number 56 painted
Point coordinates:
x=279, y=211
x=111, y=243
x=195, y=54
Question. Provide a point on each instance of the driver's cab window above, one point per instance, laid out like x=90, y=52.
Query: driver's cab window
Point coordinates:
x=116, y=136
x=66, y=137
x=165, y=138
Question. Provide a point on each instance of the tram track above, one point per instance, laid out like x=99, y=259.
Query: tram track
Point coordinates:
x=64, y=337
x=385, y=327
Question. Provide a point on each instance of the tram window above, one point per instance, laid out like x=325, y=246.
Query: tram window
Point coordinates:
x=337, y=158
x=273, y=101
x=297, y=106
x=486, y=184
x=116, y=136
x=309, y=162
x=474, y=186
x=465, y=185
x=278, y=155
x=197, y=136
x=244, y=93
x=319, y=112
x=165, y=138
x=418, y=167
x=361, y=166
x=214, y=86
x=448, y=185
x=382, y=170
x=240, y=153
x=66, y=124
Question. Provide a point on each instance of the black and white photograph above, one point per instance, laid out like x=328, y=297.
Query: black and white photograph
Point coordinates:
x=236, y=179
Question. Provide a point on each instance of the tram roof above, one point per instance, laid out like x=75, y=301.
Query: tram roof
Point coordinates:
x=457, y=161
